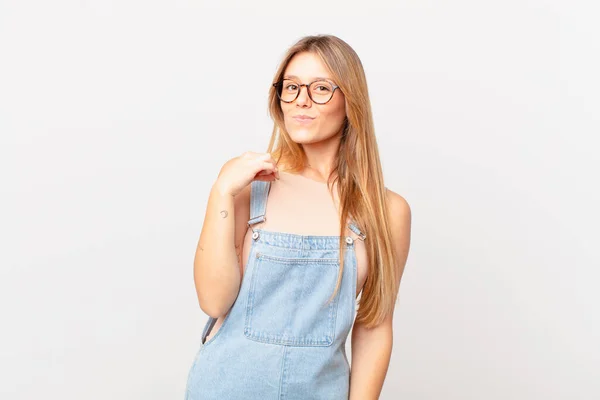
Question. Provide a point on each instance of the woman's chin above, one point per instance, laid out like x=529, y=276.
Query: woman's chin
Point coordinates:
x=302, y=136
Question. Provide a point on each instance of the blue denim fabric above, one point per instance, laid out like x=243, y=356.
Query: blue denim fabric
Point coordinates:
x=281, y=339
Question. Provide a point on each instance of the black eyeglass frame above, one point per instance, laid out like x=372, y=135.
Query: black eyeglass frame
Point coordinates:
x=307, y=89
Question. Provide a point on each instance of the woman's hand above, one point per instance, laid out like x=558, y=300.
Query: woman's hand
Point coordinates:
x=240, y=171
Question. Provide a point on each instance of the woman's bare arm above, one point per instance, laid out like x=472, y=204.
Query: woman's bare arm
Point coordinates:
x=217, y=262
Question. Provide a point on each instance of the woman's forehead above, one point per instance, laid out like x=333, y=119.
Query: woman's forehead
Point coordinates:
x=306, y=66
x=310, y=78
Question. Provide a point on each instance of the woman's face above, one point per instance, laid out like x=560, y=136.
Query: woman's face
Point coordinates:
x=328, y=119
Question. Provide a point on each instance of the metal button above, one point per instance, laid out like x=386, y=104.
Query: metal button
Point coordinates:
x=349, y=240
x=255, y=235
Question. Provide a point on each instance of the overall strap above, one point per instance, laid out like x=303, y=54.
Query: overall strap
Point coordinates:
x=354, y=228
x=259, y=190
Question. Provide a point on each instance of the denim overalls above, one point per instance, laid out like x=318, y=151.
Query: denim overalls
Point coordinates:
x=280, y=340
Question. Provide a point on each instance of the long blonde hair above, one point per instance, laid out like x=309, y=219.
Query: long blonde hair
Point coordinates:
x=357, y=169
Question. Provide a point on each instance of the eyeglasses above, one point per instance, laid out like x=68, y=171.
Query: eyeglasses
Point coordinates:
x=319, y=91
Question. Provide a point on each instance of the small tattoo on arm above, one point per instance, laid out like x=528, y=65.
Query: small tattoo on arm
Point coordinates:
x=200, y=247
x=224, y=213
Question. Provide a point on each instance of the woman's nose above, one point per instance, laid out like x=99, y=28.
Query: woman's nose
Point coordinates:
x=303, y=97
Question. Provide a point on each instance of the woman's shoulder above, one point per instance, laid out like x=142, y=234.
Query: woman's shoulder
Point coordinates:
x=396, y=201
x=399, y=211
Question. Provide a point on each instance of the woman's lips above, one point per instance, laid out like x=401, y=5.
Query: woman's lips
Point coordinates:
x=303, y=120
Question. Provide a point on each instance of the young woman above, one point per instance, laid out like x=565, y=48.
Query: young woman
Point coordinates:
x=290, y=239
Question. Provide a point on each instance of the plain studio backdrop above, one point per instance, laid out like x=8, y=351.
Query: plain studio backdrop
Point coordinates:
x=116, y=117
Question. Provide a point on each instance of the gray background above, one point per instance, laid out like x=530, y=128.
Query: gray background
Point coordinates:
x=116, y=116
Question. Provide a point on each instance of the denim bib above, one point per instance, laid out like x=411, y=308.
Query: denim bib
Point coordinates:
x=282, y=339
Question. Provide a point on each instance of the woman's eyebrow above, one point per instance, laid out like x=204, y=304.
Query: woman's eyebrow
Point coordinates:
x=314, y=79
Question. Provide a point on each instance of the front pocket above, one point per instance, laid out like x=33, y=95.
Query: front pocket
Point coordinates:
x=287, y=301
